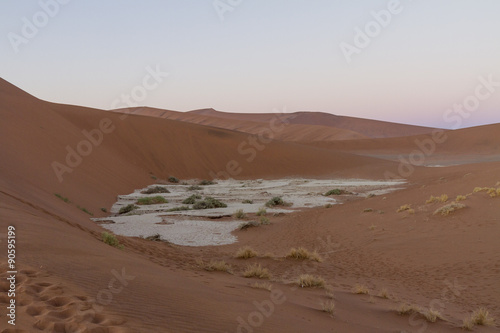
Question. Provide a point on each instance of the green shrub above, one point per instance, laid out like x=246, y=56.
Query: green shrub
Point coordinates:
x=151, y=200
x=277, y=201
x=178, y=209
x=337, y=191
x=111, y=239
x=264, y=220
x=239, y=214
x=192, y=199
x=207, y=182
x=208, y=203
x=246, y=201
x=156, y=189
x=194, y=188
x=85, y=210
x=173, y=179
x=261, y=212
x=127, y=208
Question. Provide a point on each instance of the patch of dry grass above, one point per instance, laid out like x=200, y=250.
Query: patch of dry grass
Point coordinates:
x=383, y=294
x=408, y=309
x=263, y=285
x=256, y=270
x=432, y=315
x=460, y=198
x=328, y=307
x=303, y=254
x=245, y=252
x=261, y=212
x=479, y=317
x=433, y=199
x=239, y=214
x=214, y=266
x=448, y=209
x=404, y=208
x=360, y=289
x=311, y=281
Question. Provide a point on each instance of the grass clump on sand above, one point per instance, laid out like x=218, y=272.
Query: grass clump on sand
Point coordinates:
x=264, y=220
x=248, y=224
x=155, y=189
x=261, y=212
x=85, y=210
x=277, y=201
x=384, y=294
x=208, y=203
x=215, y=266
x=61, y=197
x=111, y=239
x=361, y=289
x=328, y=307
x=178, y=209
x=431, y=315
x=256, y=270
x=127, y=209
x=205, y=182
x=263, y=285
x=303, y=254
x=336, y=191
x=407, y=309
x=247, y=201
x=245, y=253
x=406, y=208
x=194, y=188
x=192, y=199
x=433, y=199
x=172, y=179
x=151, y=200
x=448, y=209
x=460, y=198
x=311, y=281
x=479, y=317
x=239, y=214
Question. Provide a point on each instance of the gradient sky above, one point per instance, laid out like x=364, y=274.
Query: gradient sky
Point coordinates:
x=264, y=55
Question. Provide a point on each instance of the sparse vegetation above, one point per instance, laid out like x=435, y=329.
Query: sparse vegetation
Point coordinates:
x=245, y=253
x=384, y=294
x=127, y=209
x=205, y=182
x=256, y=270
x=263, y=285
x=367, y=210
x=104, y=210
x=192, y=199
x=247, y=201
x=328, y=307
x=111, y=239
x=178, y=209
x=360, y=289
x=407, y=309
x=448, y=209
x=239, y=214
x=277, y=201
x=460, y=198
x=172, y=179
x=154, y=238
x=328, y=206
x=214, y=266
x=194, y=188
x=336, y=191
x=155, y=189
x=261, y=212
x=372, y=227
x=208, y=203
x=404, y=208
x=151, y=200
x=264, y=220
x=311, y=281
x=85, y=210
x=431, y=315
x=479, y=317
x=248, y=224
x=61, y=197
x=303, y=254
x=433, y=199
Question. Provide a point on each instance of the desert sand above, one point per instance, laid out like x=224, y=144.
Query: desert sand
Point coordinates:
x=69, y=280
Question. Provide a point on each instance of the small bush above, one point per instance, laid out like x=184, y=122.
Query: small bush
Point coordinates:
x=277, y=201
x=208, y=203
x=303, y=254
x=432, y=315
x=245, y=253
x=205, y=182
x=384, y=294
x=104, y=210
x=403, y=208
x=178, y=209
x=479, y=317
x=247, y=225
x=264, y=220
x=151, y=200
x=448, y=209
x=111, y=239
x=460, y=198
x=263, y=285
x=256, y=270
x=328, y=205
x=127, y=208
x=336, y=191
x=247, y=201
x=311, y=281
x=61, y=197
x=367, y=210
x=433, y=199
x=155, y=189
x=194, y=188
x=192, y=199
x=328, y=307
x=239, y=214
x=407, y=309
x=261, y=212
x=173, y=179
x=215, y=266
x=361, y=289
x=154, y=238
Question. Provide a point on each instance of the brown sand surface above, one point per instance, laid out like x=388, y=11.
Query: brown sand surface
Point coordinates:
x=70, y=281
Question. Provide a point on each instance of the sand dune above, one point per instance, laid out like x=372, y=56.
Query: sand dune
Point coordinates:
x=70, y=281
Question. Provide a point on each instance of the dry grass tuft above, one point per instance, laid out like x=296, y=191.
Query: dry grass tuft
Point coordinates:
x=407, y=309
x=360, y=289
x=256, y=270
x=302, y=254
x=433, y=199
x=239, y=214
x=479, y=317
x=245, y=253
x=311, y=281
x=446, y=210
x=432, y=315
x=384, y=294
x=261, y=212
x=460, y=198
x=404, y=208
x=330, y=294
x=263, y=285
x=328, y=307
x=214, y=266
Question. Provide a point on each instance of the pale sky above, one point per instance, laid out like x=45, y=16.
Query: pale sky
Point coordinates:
x=402, y=61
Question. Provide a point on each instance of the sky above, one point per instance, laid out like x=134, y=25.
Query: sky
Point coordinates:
x=423, y=62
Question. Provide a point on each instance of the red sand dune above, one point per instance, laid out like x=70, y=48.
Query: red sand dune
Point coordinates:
x=71, y=281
